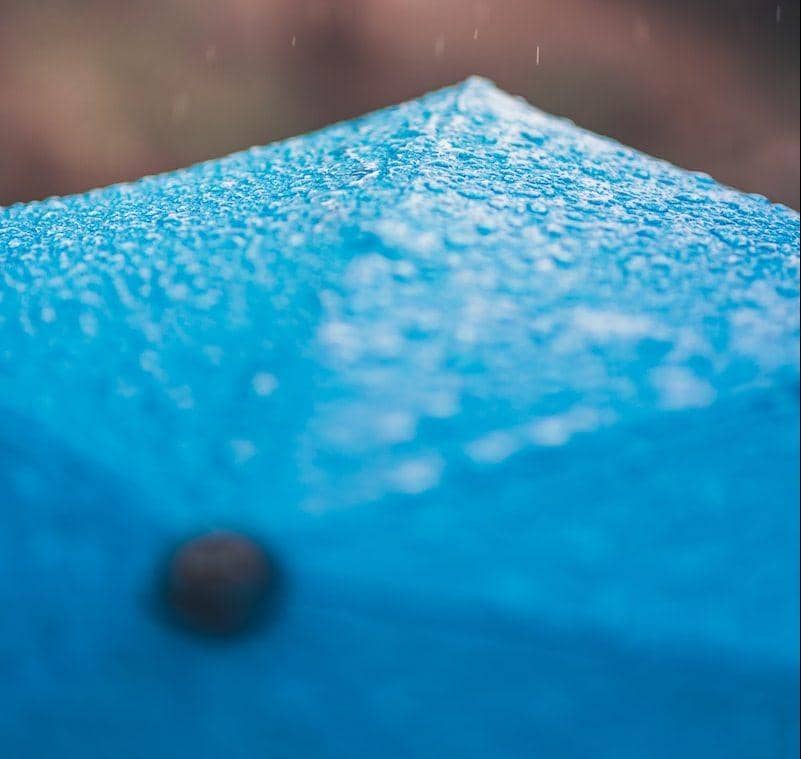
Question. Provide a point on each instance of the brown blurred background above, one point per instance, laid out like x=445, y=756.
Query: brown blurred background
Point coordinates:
x=98, y=91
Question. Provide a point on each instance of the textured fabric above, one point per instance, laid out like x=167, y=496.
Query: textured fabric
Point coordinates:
x=516, y=407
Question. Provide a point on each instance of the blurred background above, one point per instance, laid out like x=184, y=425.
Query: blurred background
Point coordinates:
x=99, y=91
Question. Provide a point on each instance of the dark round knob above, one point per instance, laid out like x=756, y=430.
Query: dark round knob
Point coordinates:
x=220, y=583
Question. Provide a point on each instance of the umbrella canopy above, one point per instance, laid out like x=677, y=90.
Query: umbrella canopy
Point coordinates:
x=514, y=408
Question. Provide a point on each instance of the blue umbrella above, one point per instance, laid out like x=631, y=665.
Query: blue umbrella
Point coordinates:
x=453, y=430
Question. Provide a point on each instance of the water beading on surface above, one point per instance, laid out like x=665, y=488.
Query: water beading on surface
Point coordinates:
x=475, y=372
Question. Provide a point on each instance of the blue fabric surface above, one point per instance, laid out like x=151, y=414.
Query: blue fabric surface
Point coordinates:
x=516, y=407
